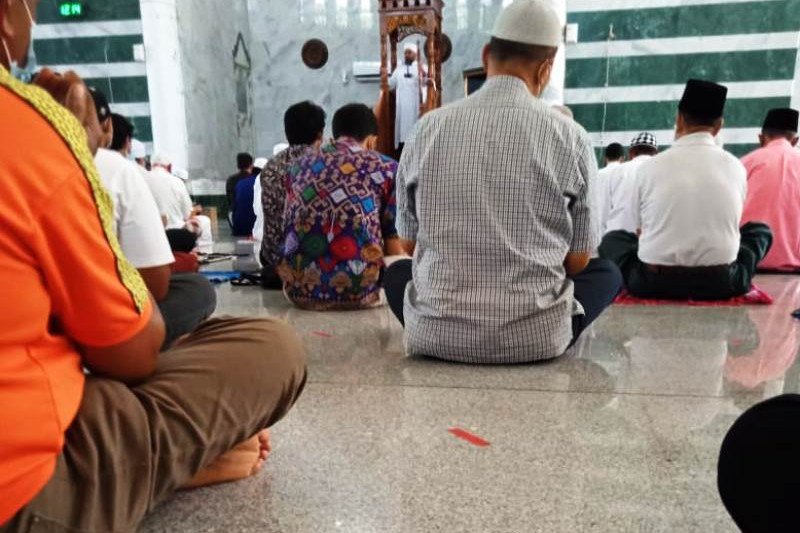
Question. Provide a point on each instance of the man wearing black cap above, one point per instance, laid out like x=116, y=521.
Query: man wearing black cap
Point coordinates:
x=773, y=183
x=690, y=201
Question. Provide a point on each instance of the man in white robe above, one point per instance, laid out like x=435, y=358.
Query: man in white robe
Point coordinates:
x=407, y=86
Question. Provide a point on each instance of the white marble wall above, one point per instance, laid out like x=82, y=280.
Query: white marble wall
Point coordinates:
x=350, y=28
x=208, y=34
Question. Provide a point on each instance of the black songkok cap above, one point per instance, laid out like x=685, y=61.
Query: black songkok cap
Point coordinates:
x=100, y=104
x=781, y=120
x=704, y=99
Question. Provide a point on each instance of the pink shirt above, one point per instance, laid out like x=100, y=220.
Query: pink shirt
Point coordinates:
x=773, y=197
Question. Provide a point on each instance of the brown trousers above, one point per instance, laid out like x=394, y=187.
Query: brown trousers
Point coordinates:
x=129, y=449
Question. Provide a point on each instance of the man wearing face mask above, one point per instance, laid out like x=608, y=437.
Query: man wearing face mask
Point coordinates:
x=492, y=195
x=96, y=449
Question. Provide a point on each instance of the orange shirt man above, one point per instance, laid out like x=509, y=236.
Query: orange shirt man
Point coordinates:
x=61, y=271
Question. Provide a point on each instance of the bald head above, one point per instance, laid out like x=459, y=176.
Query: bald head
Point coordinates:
x=16, y=22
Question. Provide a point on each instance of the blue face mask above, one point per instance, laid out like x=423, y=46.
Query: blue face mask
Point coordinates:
x=26, y=74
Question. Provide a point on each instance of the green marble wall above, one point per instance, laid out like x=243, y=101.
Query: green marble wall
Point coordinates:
x=767, y=53
x=99, y=45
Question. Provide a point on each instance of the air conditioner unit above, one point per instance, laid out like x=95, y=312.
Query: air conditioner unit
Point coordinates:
x=367, y=71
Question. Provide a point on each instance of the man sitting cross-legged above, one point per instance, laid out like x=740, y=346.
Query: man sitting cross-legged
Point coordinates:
x=304, y=124
x=493, y=194
x=773, y=188
x=185, y=300
x=689, y=203
x=96, y=451
x=339, y=223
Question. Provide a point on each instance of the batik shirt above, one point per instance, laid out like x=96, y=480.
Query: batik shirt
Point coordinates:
x=273, y=201
x=340, y=208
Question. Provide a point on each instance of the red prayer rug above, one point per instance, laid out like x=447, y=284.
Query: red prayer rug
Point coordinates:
x=755, y=297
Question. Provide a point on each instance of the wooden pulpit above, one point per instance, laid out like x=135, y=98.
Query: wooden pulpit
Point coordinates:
x=400, y=19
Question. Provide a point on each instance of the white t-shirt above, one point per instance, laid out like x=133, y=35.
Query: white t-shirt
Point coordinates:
x=621, y=195
x=691, y=199
x=136, y=220
x=176, y=198
x=158, y=188
x=598, y=197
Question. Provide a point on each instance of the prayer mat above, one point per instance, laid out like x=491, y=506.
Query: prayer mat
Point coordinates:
x=755, y=297
x=221, y=277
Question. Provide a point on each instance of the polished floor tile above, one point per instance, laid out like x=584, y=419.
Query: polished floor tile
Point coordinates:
x=620, y=435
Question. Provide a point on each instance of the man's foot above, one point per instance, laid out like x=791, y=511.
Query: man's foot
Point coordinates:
x=245, y=460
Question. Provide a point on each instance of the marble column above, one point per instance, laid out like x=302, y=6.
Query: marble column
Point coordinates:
x=165, y=79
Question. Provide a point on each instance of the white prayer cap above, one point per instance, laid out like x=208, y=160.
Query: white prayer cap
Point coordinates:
x=530, y=22
x=161, y=159
x=278, y=148
x=260, y=162
x=410, y=46
x=138, y=149
x=181, y=173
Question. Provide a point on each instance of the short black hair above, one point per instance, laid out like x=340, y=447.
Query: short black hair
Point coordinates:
x=697, y=121
x=355, y=120
x=123, y=131
x=614, y=152
x=643, y=149
x=244, y=161
x=775, y=134
x=502, y=50
x=304, y=123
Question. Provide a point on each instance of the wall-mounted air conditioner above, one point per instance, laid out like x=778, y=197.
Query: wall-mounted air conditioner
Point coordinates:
x=367, y=71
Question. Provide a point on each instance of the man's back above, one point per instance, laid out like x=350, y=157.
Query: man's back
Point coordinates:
x=340, y=209
x=599, y=196
x=136, y=218
x=622, y=204
x=773, y=197
x=244, y=218
x=496, y=188
x=177, y=201
x=691, y=200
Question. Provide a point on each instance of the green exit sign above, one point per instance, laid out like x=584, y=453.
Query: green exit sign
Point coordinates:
x=71, y=9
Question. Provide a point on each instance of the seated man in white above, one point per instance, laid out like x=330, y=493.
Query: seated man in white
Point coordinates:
x=614, y=156
x=620, y=187
x=690, y=201
x=185, y=300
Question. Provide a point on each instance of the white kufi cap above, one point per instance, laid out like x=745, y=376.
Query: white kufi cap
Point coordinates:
x=530, y=22
x=410, y=46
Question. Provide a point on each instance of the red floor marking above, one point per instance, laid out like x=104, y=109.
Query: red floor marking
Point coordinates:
x=469, y=437
x=322, y=334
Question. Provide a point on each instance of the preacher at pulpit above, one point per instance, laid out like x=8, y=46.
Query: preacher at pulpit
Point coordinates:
x=408, y=82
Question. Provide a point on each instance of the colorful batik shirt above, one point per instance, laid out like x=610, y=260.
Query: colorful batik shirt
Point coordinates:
x=340, y=208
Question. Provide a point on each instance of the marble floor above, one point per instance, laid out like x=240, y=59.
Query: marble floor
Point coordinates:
x=620, y=435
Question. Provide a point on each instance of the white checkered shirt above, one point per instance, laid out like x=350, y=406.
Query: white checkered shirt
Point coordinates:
x=494, y=191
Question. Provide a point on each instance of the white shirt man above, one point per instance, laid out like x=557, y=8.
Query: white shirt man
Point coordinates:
x=691, y=199
x=598, y=188
x=406, y=84
x=137, y=221
x=174, y=196
x=620, y=189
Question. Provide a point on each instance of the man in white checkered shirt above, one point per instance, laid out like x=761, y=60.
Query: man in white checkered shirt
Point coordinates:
x=492, y=195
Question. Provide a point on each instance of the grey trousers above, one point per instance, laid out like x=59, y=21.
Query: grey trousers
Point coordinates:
x=190, y=301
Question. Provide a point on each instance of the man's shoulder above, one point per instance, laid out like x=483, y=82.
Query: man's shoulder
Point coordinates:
x=49, y=130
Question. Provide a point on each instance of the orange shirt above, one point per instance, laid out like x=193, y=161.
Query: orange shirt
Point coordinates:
x=63, y=282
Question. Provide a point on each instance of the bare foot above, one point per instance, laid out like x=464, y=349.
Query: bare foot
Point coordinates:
x=245, y=460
